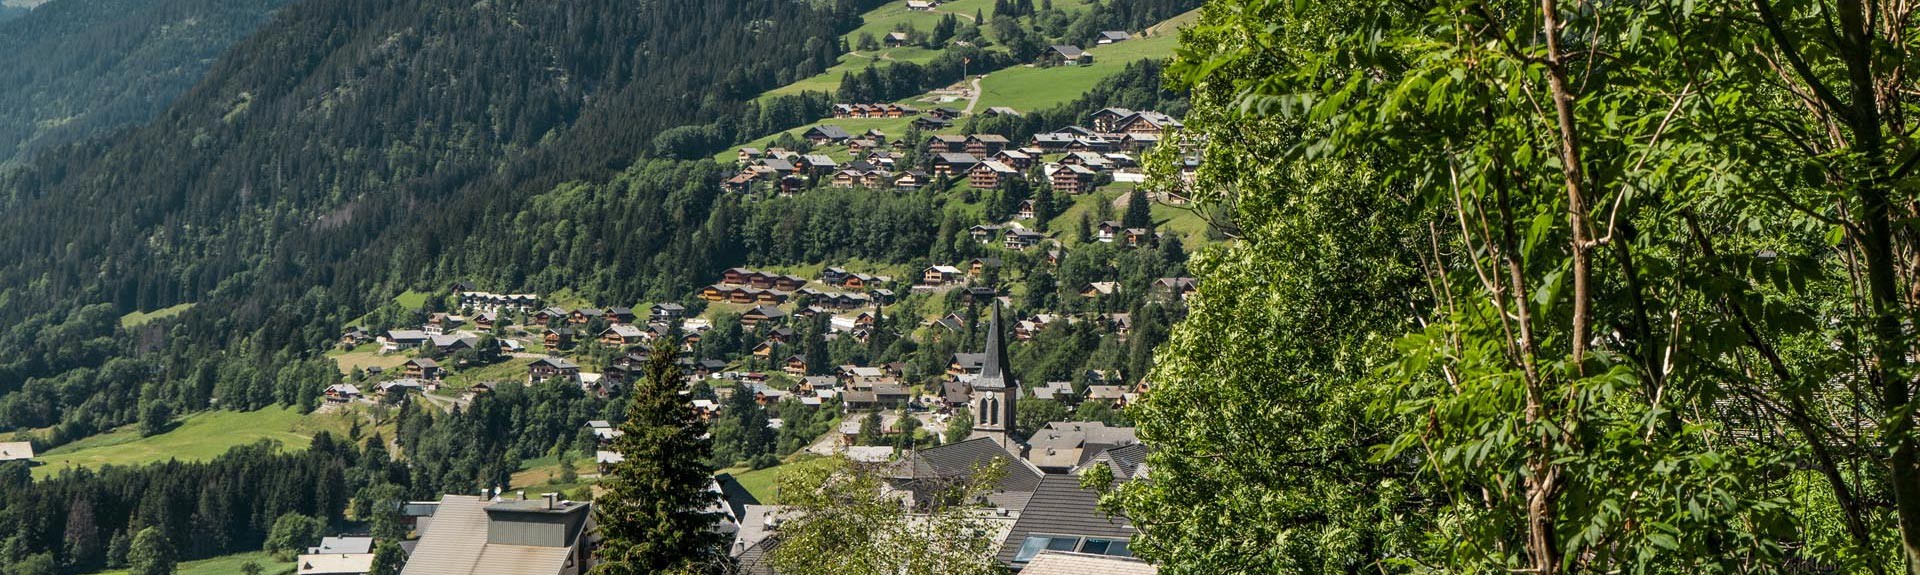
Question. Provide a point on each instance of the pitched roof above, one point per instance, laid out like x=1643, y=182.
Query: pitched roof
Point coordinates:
x=342, y=544
x=1061, y=563
x=16, y=450
x=457, y=544
x=1060, y=507
x=963, y=458
x=1068, y=51
x=335, y=564
x=832, y=132
x=556, y=362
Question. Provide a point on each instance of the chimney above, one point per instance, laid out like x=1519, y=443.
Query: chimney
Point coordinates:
x=549, y=497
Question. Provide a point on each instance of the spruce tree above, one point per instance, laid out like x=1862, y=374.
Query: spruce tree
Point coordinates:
x=654, y=513
x=1139, y=211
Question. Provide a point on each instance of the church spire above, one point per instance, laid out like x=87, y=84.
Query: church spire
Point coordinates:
x=996, y=360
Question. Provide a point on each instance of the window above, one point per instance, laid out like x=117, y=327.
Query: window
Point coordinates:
x=1113, y=547
x=1034, y=544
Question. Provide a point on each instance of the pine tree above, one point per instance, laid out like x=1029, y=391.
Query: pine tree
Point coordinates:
x=654, y=511
x=1139, y=211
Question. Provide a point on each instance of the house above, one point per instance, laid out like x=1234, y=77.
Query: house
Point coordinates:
x=1099, y=289
x=1071, y=179
x=1062, y=446
x=1174, y=288
x=400, y=339
x=1139, y=142
x=1110, y=230
x=558, y=338
x=1112, y=36
x=453, y=343
x=930, y=123
x=1064, y=55
x=1147, y=122
x=921, y=5
x=752, y=318
x=353, y=336
x=476, y=390
x=604, y=460
x=815, y=164
x=621, y=335
x=1107, y=120
x=1060, y=515
x=342, y=393
x=343, y=544
x=1017, y=159
x=1019, y=239
x=667, y=311
x=945, y=112
x=1049, y=562
x=1052, y=142
x=985, y=144
x=945, y=143
x=1060, y=391
x=334, y=564
x=548, y=315
x=825, y=135
x=1001, y=111
x=1110, y=394
x=978, y=294
x=911, y=180
x=989, y=174
x=984, y=233
x=585, y=315
x=1137, y=237
x=16, y=451
x=940, y=275
x=547, y=368
x=894, y=39
x=951, y=164
x=621, y=315
x=485, y=321
x=930, y=471
x=401, y=386
x=978, y=266
x=795, y=365
x=746, y=155
x=1027, y=211
x=473, y=535
x=421, y=368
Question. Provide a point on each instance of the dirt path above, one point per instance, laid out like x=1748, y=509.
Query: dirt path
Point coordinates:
x=974, y=98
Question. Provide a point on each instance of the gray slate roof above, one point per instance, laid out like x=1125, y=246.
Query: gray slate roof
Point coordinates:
x=457, y=545
x=1060, y=507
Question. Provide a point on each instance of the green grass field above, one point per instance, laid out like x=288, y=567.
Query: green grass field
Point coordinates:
x=197, y=437
x=227, y=565
x=1027, y=88
x=365, y=356
x=761, y=483
x=893, y=127
x=513, y=370
x=412, y=299
x=138, y=318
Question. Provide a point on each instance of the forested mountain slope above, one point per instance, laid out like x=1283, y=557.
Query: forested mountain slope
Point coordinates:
x=338, y=152
x=75, y=68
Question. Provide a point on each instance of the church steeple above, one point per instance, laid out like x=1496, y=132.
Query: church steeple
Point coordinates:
x=994, y=390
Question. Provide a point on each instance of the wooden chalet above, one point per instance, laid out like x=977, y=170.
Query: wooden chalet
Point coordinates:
x=989, y=174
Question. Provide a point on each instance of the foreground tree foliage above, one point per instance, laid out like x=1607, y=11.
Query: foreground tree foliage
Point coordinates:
x=838, y=519
x=1525, y=286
